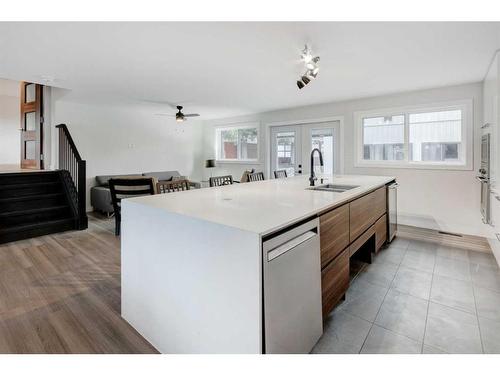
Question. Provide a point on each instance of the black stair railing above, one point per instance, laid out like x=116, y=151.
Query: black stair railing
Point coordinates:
x=71, y=161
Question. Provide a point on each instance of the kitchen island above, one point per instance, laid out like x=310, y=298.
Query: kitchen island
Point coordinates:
x=192, y=262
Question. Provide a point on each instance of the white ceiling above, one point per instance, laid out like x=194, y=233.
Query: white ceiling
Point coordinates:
x=225, y=69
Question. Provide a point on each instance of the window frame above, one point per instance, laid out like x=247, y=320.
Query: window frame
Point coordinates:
x=238, y=126
x=466, y=106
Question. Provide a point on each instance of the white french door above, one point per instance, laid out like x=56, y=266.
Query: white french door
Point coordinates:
x=291, y=147
x=286, y=149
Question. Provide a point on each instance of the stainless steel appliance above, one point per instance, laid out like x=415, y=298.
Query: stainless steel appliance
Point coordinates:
x=392, y=210
x=293, y=320
x=484, y=178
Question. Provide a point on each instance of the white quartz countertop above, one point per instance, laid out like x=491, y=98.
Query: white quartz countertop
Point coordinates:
x=261, y=207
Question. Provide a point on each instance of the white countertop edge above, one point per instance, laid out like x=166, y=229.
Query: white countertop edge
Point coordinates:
x=338, y=200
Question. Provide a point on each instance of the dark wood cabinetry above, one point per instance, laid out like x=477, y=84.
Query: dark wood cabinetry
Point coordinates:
x=380, y=232
x=359, y=226
x=335, y=281
x=366, y=210
x=334, y=233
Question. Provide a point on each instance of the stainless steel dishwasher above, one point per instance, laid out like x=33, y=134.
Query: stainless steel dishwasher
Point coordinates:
x=292, y=290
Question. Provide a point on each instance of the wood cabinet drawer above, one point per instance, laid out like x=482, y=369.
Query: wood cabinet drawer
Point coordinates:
x=380, y=232
x=334, y=233
x=334, y=281
x=365, y=211
x=356, y=245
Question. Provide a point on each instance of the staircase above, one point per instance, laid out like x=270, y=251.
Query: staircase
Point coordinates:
x=34, y=204
x=42, y=202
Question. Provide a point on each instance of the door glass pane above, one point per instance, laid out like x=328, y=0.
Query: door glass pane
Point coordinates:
x=285, y=152
x=30, y=93
x=383, y=138
x=29, y=153
x=323, y=140
x=30, y=121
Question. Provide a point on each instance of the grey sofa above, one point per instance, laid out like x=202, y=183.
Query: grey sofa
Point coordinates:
x=100, y=196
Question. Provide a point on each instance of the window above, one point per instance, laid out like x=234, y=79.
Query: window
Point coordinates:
x=383, y=137
x=439, y=151
x=434, y=137
x=237, y=143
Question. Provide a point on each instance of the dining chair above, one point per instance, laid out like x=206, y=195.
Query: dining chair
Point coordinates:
x=281, y=173
x=257, y=176
x=164, y=187
x=220, y=180
x=122, y=188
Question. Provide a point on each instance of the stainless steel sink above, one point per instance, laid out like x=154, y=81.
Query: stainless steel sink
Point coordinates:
x=334, y=188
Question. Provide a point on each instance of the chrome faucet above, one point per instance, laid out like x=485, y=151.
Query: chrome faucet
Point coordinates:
x=313, y=177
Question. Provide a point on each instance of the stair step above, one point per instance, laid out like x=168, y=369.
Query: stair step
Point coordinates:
x=28, y=177
x=31, y=197
x=32, y=211
x=34, y=201
x=19, y=232
x=25, y=217
x=28, y=185
x=18, y=190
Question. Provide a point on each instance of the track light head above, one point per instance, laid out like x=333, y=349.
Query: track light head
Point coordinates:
x=306, y=54
x=311, y=66
x=313, y=73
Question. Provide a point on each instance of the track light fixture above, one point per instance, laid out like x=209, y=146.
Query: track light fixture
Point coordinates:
x=311, y=65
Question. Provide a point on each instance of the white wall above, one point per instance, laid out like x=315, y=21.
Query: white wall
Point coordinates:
x=122, y=139
x=438, y=199
x=10, y=144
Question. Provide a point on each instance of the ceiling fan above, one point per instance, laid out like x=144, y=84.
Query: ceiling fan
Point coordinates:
x=179, y=116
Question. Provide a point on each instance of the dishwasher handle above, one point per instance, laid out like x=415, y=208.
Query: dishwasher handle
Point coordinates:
x=289, y=245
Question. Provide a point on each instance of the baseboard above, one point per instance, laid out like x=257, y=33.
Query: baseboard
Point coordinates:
x=463, y=241
x=495, y=248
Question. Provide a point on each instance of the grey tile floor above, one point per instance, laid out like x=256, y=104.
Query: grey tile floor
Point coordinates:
x=419, y=297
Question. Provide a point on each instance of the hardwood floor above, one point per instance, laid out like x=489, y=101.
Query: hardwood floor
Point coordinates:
x=61, y=294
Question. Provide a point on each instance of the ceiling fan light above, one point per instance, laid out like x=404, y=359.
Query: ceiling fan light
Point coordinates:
x=313, y=73
x=300, y=85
